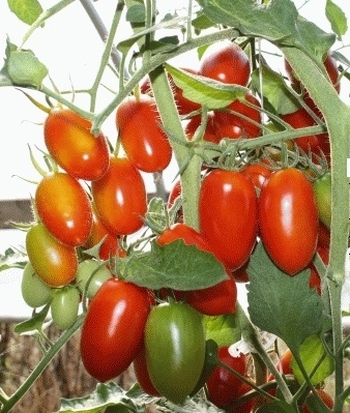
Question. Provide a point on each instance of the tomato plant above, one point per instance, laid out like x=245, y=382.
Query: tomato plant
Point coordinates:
x=65, y=306
x=90, y=276
x=112, y=333
x=34, y=291
x=322, y=190
x=175, y=349
x=70, y=142
x=64, y=208
x=288, y=219
x=120, y=197
x=228, y=215
x=55, y=263
x=141, y=134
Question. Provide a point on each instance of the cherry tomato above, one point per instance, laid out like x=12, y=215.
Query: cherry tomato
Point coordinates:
x=34, y=291
x=142, y=375
x=222, y=385
x=112, y=332
x=72, y=145
x=324, y=236
x=55, y=263
x=65, y=306
x=210, y=130
x=322, y=190
x=226, y=62
x=90, y=276
x=246, y=407
x=258, y=173
x=64, y=208
x=288, y=219
x=325, y=398
x=175, y=349
x=120, y=197
x=228, y=215
x=144, y=141
x=234, y=126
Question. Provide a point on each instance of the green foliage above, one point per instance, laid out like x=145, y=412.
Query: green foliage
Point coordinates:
x=337, y=18
x=26, y=10
x=223, y=329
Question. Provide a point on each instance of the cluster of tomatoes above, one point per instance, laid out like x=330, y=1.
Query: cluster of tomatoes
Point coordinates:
x=93, y=196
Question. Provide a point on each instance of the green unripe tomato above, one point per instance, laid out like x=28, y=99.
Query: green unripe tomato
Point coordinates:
x=175, y=349
x=322, y=190
x=34, y=291
x=65, y=306
x=92, y=272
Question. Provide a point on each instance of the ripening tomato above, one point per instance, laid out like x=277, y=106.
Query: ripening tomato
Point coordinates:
x=323, y=395
x=34, y=291
x=144, y=141
x=228, y=215
x=90, y=276
x=288, y=219
x=63, y=206
x=120, y=197
x=301, y=119
x=322, y=190
x=226, y=62
x=113, y=329
x=70, y=142
x=142, y=375
x=222, y=385
x=65, y=306
x=55, y=263
x=175, y=349
x=239, y=119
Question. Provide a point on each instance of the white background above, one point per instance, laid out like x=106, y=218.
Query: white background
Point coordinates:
x=71, y=48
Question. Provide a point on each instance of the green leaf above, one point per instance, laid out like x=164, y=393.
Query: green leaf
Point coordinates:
x=311, y=351
x=281, y=304
x=196, y=404
x=208, y=92
x=223, y=329
x=201, y=22
x=26, y=10
x=175, y=265
x=337, y=18
x=277, y=21
x=34, y=324
x=278, y=406
x=105, y=396
x=12, y=258
x=136, y=13
x=277, y=97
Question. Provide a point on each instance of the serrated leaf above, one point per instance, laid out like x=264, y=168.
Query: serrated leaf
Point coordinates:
x=175, y=265
x=26, y=10
x=277, y=21
x=208, y=92
x=337, y=18
x=280, y=304
x=311, y=351
x=223, y=329
x=274, y=89
x=104, y=396
x=278, y=406
x=196, y=404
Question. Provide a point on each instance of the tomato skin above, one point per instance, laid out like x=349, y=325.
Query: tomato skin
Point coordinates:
x=54, y=262
x=209, y=135
x=34, y=291
x=325, y=397
x=64, y=208
x=322, y=190
x=120, y=197
x=93, y=272
x=258, y=173
x=175, y=349
x=142, y=375
x=142, y=138
x=288, y=220
x=69, y=141
x=228, y=216
x=226, y=62
x=222, y=385
x=65, y=307
x=230, y=125
x=112, y=332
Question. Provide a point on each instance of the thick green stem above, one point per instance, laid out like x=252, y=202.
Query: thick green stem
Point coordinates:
x=337, y=118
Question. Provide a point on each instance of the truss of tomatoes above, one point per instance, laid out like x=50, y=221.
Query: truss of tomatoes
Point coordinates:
x=95, y=197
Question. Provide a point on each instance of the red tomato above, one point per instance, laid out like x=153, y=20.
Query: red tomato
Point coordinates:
x=288, y=220
x=113, y=329
x=226, y=62
x=144, y=142
x=55, y=263
x=120, y=197
x=228, y=215
x=142, y=375
x=64, y=208
x=210, y=130
x=300, y=119
x=175, y=193
x=246, y=407
x=218, y=299
x=72, y=145
x=222, y=385
x=258, y=173
x=234, y=126
x=325, y=397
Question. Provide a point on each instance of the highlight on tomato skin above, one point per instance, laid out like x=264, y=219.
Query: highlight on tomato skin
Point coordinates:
x=69, y=140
